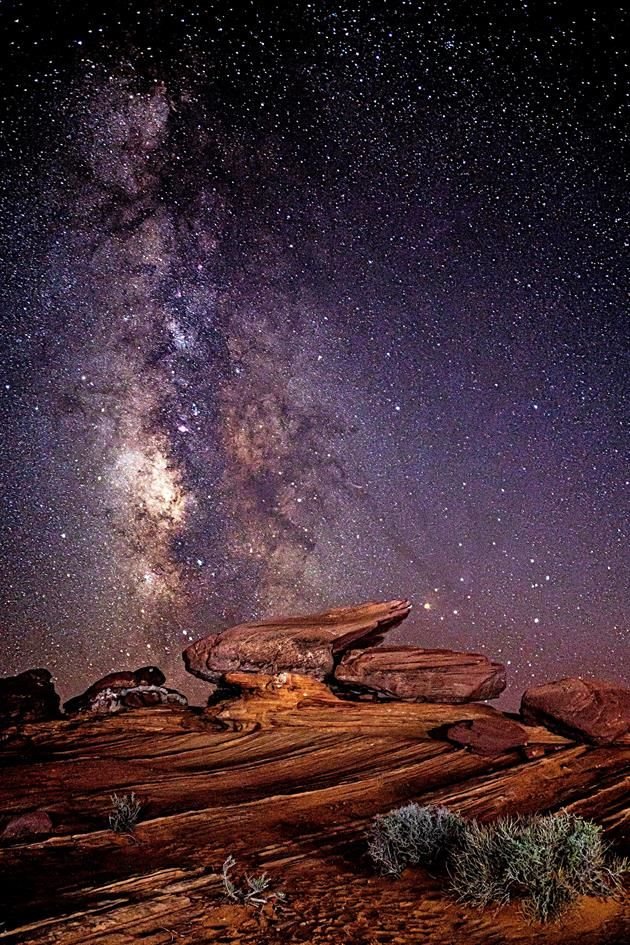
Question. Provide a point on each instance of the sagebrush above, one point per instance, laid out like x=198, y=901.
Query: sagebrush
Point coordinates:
x=414, y=835
x=125, y=813
x=254, y=890
x=546, y=860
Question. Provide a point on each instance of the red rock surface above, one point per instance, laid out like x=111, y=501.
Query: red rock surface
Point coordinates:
x=592, y=710
x=28, y=697
x=307, y=645
x=286, y=778
x=419, y=675
x=489, y=736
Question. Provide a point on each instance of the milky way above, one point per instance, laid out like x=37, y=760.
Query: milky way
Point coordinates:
x=303, y=309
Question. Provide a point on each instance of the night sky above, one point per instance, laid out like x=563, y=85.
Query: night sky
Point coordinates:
x=310, y=303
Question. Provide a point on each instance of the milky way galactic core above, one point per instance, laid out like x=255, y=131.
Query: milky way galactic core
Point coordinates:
x=310, y=304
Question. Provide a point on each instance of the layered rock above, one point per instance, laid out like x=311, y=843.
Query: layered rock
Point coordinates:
x=489, y=736
x=126, y=690
x=591, y=710
x=28, y=697
x=289, y=777
x=309, y=645
x=413, y=674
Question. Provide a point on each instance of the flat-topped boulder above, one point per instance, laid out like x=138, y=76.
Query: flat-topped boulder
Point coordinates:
x=28, y=697
x=127, y=689
x=309, y=645
x=413, y=674
x=591, y=710
x=489, y=736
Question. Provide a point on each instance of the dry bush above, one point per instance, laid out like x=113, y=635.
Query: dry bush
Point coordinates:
x=125, y=812
x=414, y=836
x=546, y=861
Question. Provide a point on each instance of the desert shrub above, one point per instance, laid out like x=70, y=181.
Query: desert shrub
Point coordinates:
x=546, y=861
x=125, y=812
x=254, y=890
x=414, y=835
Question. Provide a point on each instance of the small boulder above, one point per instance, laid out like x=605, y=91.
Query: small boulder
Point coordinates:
x=109, y=701
x=149, y=676
x=28, y=697
x=37, y=823
x=308, y=645
x=412, y=674
x=592, y=710
x=493, y=735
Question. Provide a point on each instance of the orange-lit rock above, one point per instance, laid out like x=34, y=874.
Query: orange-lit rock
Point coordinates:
x=413, y=674
x=592, y=710
x=309, y=645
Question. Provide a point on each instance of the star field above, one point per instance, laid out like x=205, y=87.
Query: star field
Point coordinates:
x=310, y=305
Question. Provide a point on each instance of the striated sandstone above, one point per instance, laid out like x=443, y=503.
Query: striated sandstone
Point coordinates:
x=309, y=645
x=593, y=710
x=413, y=674
x=285, y=777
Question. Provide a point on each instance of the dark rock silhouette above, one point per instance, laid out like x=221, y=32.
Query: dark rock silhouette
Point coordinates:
x=413, y=674
x=591, y=710
x=28, y=697
x=309, y=645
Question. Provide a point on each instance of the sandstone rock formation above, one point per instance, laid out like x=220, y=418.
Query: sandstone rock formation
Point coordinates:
x=286, y=777
x=141, y=688
x=592, y=710
x=338, y=646
x=418, y=675
x=125, y=679
x=28, y=697
x=135, y=697
x=489, y=736
x=308, y=645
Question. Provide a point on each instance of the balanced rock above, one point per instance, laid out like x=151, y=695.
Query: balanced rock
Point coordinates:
x=493, y=735
x=592, y=710
x=308, y=645
x=412, y=674
x=28, y=697
x=125, y=689
x=36, y=823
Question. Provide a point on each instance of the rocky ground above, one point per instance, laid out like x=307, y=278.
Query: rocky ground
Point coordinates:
x=284, y=775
